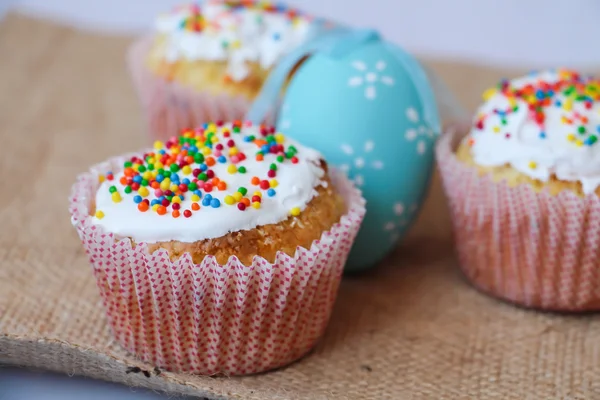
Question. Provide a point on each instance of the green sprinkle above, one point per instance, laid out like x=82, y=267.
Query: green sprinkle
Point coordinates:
x=243, y=190
x=141, y=169
x=192, y=186
x=174, y=167
x=127, y=164
x=127, y=189
x=112, y=189
x=144, y=182
x=242, y=170
x=273, y=167
x=202, y=176
x=280, y=159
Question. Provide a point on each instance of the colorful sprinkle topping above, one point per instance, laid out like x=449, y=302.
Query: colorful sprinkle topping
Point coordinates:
x=240, y=32
x=181, y=169
x=195, y=19
x=545, y=125
x=569, y=93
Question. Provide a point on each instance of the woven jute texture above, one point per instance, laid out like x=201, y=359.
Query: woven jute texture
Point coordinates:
x=412, y=329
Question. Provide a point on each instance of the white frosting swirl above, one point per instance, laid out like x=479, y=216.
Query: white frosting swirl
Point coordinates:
x=544, y=124
x=229, y=32
x=296, y=186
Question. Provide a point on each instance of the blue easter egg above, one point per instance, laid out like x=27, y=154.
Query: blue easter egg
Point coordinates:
x=363, y=112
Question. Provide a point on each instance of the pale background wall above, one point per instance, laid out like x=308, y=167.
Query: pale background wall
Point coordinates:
x=520, y=33
x=534, y=33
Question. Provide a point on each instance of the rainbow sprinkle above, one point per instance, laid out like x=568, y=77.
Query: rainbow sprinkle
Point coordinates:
x=195, y=21
x=571, y=88
x=180, y=169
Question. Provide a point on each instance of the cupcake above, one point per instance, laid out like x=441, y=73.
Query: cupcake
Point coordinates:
x=208, y=61
x=219, y=251
x=524, y=187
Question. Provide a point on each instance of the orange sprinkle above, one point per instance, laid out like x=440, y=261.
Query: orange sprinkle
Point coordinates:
x=129, y=172
x=161, y=210
x=143, y=206
x=246, y=201
x=471, y=142
x=155, y=185
x=260, y=142
x=175, y=213
x=210, y=161
x=123, y=180
x=259, y=157
x=215, y=181
x=255, y=180
x=195, y=206
x=222, y=185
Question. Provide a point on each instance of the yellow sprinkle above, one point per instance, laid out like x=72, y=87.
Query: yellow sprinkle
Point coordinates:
x=236, y=44
x=150, y=160
x=496, y=129
x=177, y=199
x=212, y=127
x=206, y=150
x=229, y=200
x=256, y=205
x=154, y=207
x=99, y=214
x=237, y=196
x=489, y=93
x=174, y=150
x=158, y=165
x=116, y=197
x=568, y=105
x=164, y=185
x=174, y=187
x=571, y=137
x=215, y=139
x=186, y=170
x=143, y=191
x=195, y=197
x=257, y=193
x=147, y=175
x=232, y=169
x=579, y=143
x=101, y=178
x=532, y=165
x=158, y=145
x=295, y=211
x=233, y=151
x=273, y=183
x=279, y=138
x=564, y=120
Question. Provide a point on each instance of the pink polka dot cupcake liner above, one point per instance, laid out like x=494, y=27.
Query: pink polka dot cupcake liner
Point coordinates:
x=208, y=318
x=169, y=107
x=531, y=248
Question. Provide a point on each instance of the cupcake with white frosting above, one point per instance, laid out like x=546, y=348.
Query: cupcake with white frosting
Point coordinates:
x=524, y=187
x=207, y=61
x=219, y=251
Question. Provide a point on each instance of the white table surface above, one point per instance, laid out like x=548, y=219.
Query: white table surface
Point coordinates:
x=531, y=33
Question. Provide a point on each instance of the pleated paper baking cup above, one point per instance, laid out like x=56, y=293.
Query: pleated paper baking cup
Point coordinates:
x=169, y=107
x=531, y=248
x=215, y=319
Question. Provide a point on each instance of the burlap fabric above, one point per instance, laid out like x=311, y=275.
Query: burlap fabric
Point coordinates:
x=412, y=329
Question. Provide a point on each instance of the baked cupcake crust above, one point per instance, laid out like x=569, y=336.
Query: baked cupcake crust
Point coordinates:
x=514, y=178
x=321, y=213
